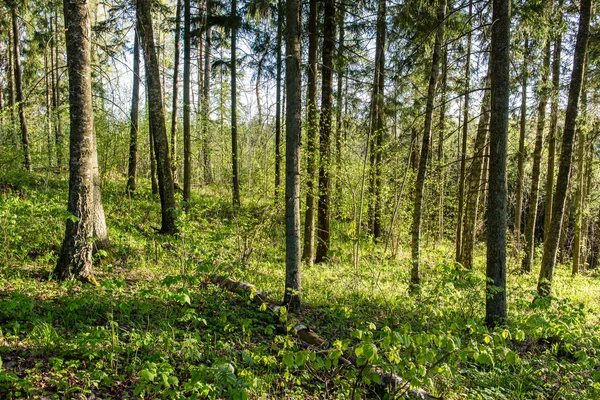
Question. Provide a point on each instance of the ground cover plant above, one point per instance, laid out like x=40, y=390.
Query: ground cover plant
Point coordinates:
x=157, y=327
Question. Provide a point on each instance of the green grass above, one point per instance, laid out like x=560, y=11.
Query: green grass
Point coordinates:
x=156, y=328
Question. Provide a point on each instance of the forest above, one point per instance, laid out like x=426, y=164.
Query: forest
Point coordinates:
x=299, y=199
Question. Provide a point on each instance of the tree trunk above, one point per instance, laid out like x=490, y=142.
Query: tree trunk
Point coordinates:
x=463, y=152
x=475, y=181
x=19, y=90
x=153, y=178
x=553, y=127
x=562, y=181
x=580, y=177
x=377, y=122
x=280, y=18
x=292, y=297
x=175, y=95
x=157, y=119
x=323, y=209
x=415, y=278
x=56, y=101
x=48, y=127
x=440, y=149
x=208, y=178
x=12, y=101
x=311, y=134
x=527, y=264
x=135, y=100
x=234, y=135
x=76, y=253
x=521, y=153
x=339, y=117
x=495, y=305
x=187, y=134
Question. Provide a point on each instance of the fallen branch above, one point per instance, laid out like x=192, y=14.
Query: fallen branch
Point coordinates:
x=302, y=331
x=311, y=338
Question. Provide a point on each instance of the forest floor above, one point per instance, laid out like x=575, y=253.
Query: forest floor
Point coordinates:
x=156, y=327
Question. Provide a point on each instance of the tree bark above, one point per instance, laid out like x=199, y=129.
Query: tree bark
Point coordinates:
x=580, y=177
x=415, y=278
x=377, y=121
x=527, y=264
x=553, y=125
x=12, y=101
x=157, y=119
x=495, y=305
x=562, y=181
x=463, y=152
x=325, y=126
x=19, y=90
x=135, y=100
x=278, y=100
x=175, y=94
x=56, y=100
x=75, y=259
x=234, y=135
x=475, y=181
x=311, y=134
x=339, y=117
x=440, y=149
x=208, y=177
x=521, y=153
x=187, y=134
x=292, y=296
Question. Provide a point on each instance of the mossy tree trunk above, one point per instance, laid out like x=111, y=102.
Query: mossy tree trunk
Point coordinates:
x=325, y=127
x=311, y=134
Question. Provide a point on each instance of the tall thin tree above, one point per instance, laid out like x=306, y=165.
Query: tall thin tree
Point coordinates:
x=463, y=151
x=187, y=134
x=234, y=131
x=415, y=278
x=19, y=88
x=278, y=100
x=325, y=128
x=157, y=119
x=495, y=305
x=527, y=264
x=311, y=133
x=134, y=124
x=176, y=51
x=564, y=169
x=292, y=296
x=522, y=133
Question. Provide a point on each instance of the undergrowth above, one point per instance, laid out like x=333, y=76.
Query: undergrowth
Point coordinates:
x=157, y=328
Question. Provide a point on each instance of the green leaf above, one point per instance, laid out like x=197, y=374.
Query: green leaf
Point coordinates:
x=370, y=351
x=520, y=335
x=358, y=351
x=147, y=375
x=511, y=357
x=288, y=359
